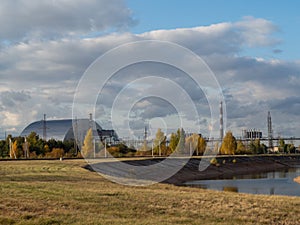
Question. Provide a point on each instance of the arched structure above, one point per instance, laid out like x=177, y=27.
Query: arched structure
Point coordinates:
x=63, y=130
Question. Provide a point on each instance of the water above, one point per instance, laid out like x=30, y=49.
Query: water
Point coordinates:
x=271, y=183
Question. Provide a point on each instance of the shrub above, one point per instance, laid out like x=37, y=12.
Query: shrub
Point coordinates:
x=213, y=161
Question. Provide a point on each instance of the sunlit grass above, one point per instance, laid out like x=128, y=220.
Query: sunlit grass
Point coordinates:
x=55, y=192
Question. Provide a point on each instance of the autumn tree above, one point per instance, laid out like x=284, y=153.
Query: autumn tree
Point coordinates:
x=191, y=142
x=240, y=148
x=197, y=143
x=181, y=143
x=228, y=146
x=159, y=143
x=201, y=146
x=14, y=150
x=174, y=140
x=55, y=153
x=88, y=146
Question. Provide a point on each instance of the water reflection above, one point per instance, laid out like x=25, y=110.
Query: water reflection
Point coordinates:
x=271, y=183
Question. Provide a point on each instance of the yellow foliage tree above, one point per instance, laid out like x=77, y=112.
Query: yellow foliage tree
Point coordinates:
x=197, y=143
x=201, y=146
x=229, y=144
x=88, y=146
x=57, y=152
x=14, y=150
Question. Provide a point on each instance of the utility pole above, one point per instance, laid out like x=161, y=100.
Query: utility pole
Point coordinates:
x=105, y=150
x=76, y=135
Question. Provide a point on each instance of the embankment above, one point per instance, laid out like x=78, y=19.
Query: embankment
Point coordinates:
x=223, y=167
x=228, y=167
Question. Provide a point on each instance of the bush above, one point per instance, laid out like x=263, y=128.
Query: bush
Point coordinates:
x=55, y=153
x=213, y=161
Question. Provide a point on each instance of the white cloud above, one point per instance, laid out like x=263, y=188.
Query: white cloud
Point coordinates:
x=42, y=19
x=48, y=71
x=256, y=31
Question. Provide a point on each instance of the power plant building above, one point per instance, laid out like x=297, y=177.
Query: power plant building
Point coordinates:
x=252, y=134
x=64, y=130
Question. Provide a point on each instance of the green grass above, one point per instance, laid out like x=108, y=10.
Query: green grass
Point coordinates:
x=54, y=192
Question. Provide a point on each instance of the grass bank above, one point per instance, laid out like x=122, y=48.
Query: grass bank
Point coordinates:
x=62, y=192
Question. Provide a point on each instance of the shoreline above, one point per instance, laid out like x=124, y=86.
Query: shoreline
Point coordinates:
x=244, y=165
x=226, y=167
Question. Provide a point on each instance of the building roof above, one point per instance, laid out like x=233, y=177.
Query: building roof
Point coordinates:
x=63, y=129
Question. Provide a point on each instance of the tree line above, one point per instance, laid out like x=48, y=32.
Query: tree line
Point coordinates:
x=33, y=146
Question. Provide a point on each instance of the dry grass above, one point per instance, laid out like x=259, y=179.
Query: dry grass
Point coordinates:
x=54, y=192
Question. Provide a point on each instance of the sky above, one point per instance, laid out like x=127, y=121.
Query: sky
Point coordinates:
x=251, y=48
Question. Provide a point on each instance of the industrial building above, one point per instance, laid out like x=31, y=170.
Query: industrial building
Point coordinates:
x=252, y=134
x=64, y=130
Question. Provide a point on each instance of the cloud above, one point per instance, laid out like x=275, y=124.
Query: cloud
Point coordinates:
x=256, y=31
x=41, y=19
x=277, y=51
x=12, y=98
x=40, y=76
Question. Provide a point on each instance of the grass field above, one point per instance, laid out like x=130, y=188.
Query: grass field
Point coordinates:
x=61, y=192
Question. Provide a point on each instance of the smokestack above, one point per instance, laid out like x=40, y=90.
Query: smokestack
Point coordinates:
x=221, y=121
x=145, y=134
x=270, y=131
x=44, y=128
x=91, y=121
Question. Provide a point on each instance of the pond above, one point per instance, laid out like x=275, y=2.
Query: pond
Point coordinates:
x=270, y=183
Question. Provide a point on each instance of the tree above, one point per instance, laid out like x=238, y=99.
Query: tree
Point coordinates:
x=256, y=147
x=4, y=150
x=281, y=146
x=240, y=148
x=35, y=144
x=291, y=148
x=192, y=142
x=14, y=150
x=181, y=143
x=174, y=140
x=88, y=146
x=159, y=142
x=55, y=153
x=197, y=143
x=201, y=146
x=228, y=146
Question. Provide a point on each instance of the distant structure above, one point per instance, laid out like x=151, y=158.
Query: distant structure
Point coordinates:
x=252, y=134
x=270, y=131
x=145, y=134
x=221, y=121
x=68, y=129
